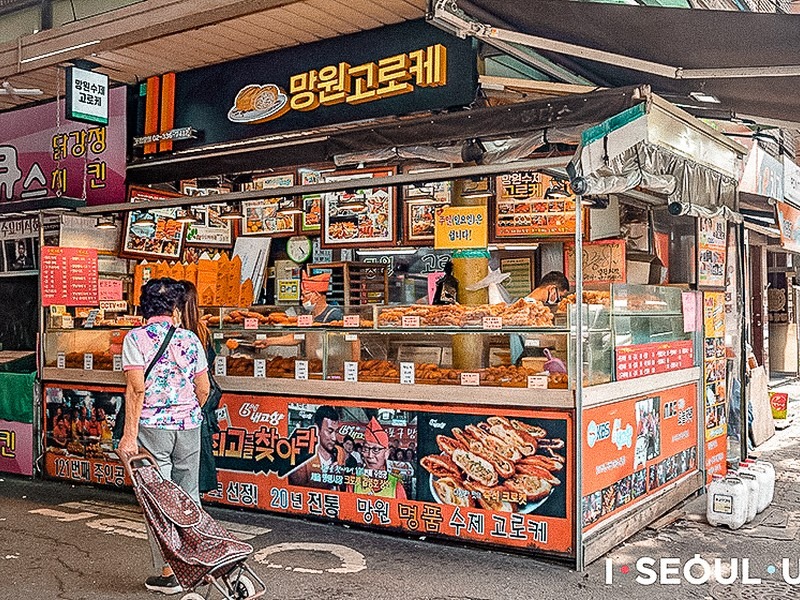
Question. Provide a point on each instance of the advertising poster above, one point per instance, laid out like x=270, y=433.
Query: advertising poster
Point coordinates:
x=533, y=204
x=78, y=425
x=16, y=447
x=264, y=216
x=712, y=241
x=501, y=479
x=715, y=377
x=634, y=447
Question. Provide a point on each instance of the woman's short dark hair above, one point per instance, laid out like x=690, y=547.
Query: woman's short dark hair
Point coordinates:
x=160, y=297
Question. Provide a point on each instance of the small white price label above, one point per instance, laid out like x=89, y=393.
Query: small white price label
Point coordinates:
x=259, y=367
x=218, y=335
x=410, y=322
x=352, y=321
x=301, y=370
x=251, y=323
x=67, y=322
x=261, y=336
x=350, y=337
x=407, y=373
x=305, y=320
x=532, y=343
x=350, y=371
x=117, y=362
x=470, y=379
x=88, y=361
x=538, y=382
x=61, y=360
x=220, y=366
x=492, y=322
x=299, y=336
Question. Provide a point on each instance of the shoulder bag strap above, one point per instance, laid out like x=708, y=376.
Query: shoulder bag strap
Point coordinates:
x=161, y=350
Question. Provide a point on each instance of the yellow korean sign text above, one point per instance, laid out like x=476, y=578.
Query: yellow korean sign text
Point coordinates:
x=461, y=227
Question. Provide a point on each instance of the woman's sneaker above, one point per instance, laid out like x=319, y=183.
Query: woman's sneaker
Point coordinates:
x=165, y=585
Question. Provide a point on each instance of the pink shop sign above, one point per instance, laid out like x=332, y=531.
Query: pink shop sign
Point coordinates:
x=16, y=447
x=44, y=155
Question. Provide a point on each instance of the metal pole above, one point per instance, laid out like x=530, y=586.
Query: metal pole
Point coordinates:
x=578, y=437
x=38, y=413
x=744, y=260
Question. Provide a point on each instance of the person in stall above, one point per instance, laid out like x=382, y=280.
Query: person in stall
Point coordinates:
x=552, y=287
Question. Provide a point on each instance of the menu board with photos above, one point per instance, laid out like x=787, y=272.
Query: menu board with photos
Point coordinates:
x=69, y=276
x=262, y=216
x=711, y=252
x=533, y=204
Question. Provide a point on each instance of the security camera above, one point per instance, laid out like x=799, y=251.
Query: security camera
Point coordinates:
x=678, y=208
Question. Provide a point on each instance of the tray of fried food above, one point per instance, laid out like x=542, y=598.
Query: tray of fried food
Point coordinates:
x=498, y=464
x=427, y=374
x=279, y=319
x=527, y=312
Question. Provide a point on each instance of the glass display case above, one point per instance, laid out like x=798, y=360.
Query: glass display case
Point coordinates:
x=88, y=349
x=646, y=314
x=246, y=353
x=272, y=317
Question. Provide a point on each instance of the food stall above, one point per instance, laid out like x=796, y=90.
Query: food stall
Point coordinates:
x=554, y=430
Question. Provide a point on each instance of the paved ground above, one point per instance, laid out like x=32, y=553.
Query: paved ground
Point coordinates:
x=64, y=542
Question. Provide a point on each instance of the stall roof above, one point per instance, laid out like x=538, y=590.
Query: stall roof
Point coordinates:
x=684, y=39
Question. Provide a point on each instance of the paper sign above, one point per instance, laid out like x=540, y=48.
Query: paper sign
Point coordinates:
x=471, y=379
x=407, y=373
x=433, y=279
x=689, y=302
x=113, y=305
x=350, y=337
x=117, y=362
x=532, y=343
x=351, y=371
x=299, y=336
x=261, y=336
x=218, y=335
x=92, y=318
x=352, y=321
x=461, y=227
x=305, y=320
x=69, y=276
x=220, y=366
x=259, y=367
x=410, y=321
x=109, y=289
x=58, y=309
x=538, y=382
x=301, y=370
x=603, y=262
x=61, y=361
x=88, y=361
x=251, y=323
x=492, y=322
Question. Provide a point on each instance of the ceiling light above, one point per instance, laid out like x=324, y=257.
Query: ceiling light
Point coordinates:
x=231, y=213
x=145, y=219
x=105, y=223
x=385, y=251
x=186, y=216
x=518, y=247
x=353, y=205
x=290, y=209
x=704, y=97
x=56, y=52
x=9, y=90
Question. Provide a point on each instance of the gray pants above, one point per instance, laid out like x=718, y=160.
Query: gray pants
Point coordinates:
x=177, y=454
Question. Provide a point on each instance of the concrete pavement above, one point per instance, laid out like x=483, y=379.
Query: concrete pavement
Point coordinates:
x=59, y=541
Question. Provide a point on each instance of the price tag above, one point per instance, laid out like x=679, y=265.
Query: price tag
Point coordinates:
x=259, y=367
x=410, y=321
x=61, y=360
x=299, y=336
x=305, y=320
x=220, y=366
x=261, y=336
x=251, y=323
x=351, y=371
x=352, y=321
x=538, y=382
x=470, y=379
x=492, y=322
x=67, y=322
x=407, y=373
x=117, y=362
x=301, y=370
x=532, y=343
x=88, y=361
x=350, y=337
x=218, y=335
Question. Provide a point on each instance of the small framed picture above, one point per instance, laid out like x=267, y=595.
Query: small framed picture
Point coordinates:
x=152, y=232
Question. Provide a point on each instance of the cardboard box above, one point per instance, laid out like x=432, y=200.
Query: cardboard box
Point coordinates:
x=644, y=268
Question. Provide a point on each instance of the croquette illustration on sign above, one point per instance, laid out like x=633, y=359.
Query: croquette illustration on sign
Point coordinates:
x=342, y=83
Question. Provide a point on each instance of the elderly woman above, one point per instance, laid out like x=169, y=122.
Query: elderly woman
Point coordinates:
x=163, y=408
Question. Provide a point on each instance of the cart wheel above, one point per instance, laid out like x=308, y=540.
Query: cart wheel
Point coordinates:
x=193, y=596
x=244, y=587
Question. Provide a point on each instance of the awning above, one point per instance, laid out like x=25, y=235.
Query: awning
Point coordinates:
x=761, y=50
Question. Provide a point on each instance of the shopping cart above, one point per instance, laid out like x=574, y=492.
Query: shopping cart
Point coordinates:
x=199, y=550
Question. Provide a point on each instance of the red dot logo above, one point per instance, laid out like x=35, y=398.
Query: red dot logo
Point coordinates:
x=625, y=569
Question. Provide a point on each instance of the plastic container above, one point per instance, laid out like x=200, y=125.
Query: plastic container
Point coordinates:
x=765, y=474
x=727, y=502
x=751, y=481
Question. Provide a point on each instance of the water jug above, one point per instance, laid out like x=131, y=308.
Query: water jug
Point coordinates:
x=727, y=502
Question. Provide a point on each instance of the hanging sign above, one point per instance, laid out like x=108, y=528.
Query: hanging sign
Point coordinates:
x=69, y=276
x=712, y=240
x=461, y=227
x=789, y=224
x=533, y=204
x=87, y=96
x=603, y=262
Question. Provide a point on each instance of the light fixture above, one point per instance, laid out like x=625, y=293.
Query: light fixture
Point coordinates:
x=231, y=213
x=186, y=216
x=61, y=51
x=595, y=201
x=702, y=96
x=105, y=223
x=145, y=219
x=557, y=190
x=385, y=251
x=426, y=201
x=7, y=89
x=291, y=209
x=517, y=247
x=354, y=205
x=473, y=150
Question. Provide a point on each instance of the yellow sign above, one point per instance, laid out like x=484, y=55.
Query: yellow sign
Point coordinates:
x=288, y=290
x=461, y=227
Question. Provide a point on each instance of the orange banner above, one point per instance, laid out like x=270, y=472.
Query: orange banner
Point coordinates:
x=634, y=447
